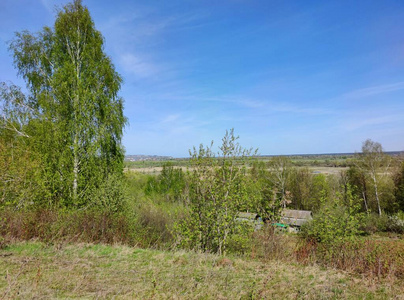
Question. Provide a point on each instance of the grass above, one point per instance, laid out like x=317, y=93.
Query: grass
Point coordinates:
x=34, y=270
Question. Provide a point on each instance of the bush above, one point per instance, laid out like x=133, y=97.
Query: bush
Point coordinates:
x=152, y=214
x=217, y=191
x=335, y=221
x=72, y=226
x=153, y=226
x=396, y=223
x=270, y=244
x=369, y=257
x=241, y=241
x=170, y=182
x=374, y=223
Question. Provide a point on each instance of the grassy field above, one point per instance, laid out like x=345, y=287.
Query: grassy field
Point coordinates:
x=32, y=270
x=313, y=160
x=336, y=160
x=155, y=168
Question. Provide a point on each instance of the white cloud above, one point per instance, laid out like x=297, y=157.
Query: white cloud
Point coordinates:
x=170, y=118
x=137, y=66
x=372, y=121
x=374, y=90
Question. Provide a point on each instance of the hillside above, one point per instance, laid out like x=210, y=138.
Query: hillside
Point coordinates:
x=33, y=270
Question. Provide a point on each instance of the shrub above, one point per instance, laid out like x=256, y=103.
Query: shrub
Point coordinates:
x=270, y=244
x=373, y=223
x=74, y=226
x=396, y=223
x=152, y=226
x=241, y=241
x=335, y=221
x=370, y=257
x=170, y=183
x=217, y=191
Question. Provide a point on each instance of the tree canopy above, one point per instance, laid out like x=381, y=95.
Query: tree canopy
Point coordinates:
x=76, y=120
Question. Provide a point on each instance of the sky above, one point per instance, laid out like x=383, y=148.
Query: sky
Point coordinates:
x=291, y=77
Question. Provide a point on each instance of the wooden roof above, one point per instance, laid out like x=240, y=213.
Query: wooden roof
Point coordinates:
x=296, y=217
x=297, y=214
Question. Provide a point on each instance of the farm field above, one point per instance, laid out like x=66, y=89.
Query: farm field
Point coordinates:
x=32, y=270
x=318, y=164
x=313, y=169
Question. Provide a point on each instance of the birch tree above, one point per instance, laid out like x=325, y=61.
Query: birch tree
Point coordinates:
x=280, y=167
x=74, y=88
x=375, y=163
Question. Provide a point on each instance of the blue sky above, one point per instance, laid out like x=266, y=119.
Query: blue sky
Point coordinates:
x=289, y=76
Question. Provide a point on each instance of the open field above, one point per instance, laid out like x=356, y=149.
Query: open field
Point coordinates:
x=152, y=170
x=321, y=163
x=32, y=270
x=313, y=169
x=309, y=160
x=327, y=170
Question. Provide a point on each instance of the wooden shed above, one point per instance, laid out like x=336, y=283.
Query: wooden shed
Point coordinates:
x=295, y=217
x=291, y=219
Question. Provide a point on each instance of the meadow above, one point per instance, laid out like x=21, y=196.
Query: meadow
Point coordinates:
x=34, y=270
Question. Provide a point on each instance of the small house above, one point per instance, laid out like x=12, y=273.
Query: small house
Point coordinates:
x=291, y=219
x=295, y=218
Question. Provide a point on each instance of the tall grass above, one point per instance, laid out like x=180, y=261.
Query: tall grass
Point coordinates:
x=370, y=257
x=32, y=270
x=69, y=226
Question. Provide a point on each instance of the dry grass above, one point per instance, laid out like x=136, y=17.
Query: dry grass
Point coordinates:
x=370, y=257
x=74, y=226
x=153, y=170
x=157, y=170
x=32, y=270
x=327, y=170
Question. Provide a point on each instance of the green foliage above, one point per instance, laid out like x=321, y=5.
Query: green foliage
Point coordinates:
x=21, y=183
x=319, y=190
x=15, y=111
x=262, y=198
x=357, y=178
x=240, y=242
x=152, y=215
x=399, y=187
x=20, y=178
x=280, y=170
x=373, y=163
x=299, y=186
x=73, y=118
x=217, y=191
x=397, y=222
x=170, y=182
x=335, y=220
x=152, y=224
x=109, y=194
x=374, y=223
